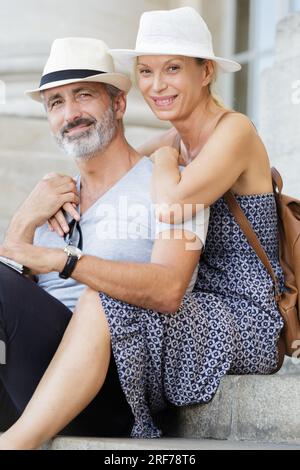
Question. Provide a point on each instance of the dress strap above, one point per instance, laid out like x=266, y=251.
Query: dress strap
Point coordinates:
x=177, y=142
x=230, y=111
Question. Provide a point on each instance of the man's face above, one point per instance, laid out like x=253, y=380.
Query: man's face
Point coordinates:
x=81, y=118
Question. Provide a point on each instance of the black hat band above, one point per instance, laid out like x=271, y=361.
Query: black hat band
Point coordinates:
x=69, y=74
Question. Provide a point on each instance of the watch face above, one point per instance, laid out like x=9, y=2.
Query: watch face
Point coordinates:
x=73, y=251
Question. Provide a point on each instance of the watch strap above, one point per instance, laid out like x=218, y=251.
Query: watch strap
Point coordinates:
x=69, y=267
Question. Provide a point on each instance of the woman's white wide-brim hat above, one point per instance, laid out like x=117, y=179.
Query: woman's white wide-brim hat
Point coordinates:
x=173, y=32
x=74, y=60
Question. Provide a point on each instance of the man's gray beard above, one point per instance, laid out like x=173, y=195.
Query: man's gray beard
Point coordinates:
x=93, y=141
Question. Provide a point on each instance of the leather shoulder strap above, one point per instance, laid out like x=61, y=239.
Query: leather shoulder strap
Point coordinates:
x=251, y=236
x=277, y=181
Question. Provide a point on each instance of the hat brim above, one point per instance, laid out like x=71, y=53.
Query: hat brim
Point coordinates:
x=126, y=56
x=116, y=79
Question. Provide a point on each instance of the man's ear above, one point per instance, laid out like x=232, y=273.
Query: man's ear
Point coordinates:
x=120, y=103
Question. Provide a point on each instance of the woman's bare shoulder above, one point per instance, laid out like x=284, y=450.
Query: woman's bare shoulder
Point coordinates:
x=163, y=140
x=238, y=122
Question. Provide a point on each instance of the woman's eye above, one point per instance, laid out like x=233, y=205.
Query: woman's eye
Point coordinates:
x=173, y=68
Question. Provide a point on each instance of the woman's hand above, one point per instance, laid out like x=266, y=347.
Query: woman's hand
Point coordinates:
x=165, y=153
x=38, y=259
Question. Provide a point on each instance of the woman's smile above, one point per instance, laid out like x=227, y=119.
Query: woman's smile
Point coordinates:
x=164, y=101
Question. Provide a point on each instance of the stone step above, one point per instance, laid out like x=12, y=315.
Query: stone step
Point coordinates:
x=77, y=443
x=250, y=408
x=248, y=412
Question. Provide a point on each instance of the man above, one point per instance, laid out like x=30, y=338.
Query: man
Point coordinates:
x=121, y=255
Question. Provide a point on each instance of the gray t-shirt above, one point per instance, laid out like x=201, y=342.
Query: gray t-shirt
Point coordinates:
x=119, y=226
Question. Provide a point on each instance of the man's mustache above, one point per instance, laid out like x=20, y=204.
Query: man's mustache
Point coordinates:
x=77, y=122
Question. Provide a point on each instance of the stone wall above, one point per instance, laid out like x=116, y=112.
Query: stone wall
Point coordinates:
x=26, y=148
x=26, y=32
x=280, y=106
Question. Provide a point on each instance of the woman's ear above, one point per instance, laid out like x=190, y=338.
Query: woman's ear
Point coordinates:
x=209, y=70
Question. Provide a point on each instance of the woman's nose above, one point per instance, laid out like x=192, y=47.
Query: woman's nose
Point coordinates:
x=159, y=83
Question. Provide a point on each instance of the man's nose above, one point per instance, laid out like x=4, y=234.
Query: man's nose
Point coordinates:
x=159, y=83
x=72, y=111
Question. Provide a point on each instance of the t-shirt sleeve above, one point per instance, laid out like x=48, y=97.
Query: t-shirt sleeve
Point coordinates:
x=198, y=226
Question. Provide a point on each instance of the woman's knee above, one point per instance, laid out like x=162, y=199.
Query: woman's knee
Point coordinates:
x=91, y=320
x=89, y=294
x=89, y=299
x=90, y=305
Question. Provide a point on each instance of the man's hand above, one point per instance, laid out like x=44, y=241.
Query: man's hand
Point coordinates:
x=52, y=193
x=38, y=259
x=58, y=222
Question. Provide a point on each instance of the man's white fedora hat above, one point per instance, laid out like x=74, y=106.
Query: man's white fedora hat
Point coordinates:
x=173, y=32
x=74, y=60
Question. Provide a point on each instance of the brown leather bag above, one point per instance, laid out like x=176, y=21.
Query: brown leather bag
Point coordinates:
x=288, y=301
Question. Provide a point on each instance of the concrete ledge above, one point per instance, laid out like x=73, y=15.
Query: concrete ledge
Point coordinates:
x=248, y=412
x=251, y=408
x=66, y=443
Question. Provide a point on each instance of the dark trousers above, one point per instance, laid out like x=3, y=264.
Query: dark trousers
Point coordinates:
x=32, y=324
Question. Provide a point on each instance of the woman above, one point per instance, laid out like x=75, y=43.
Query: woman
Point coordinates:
x=175, y=68
x=230, y=323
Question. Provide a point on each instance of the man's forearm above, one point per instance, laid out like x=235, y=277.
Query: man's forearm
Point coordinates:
x=20, y=230
x=148, y=285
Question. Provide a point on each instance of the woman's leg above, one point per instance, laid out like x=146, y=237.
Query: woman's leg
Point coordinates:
x=73, y=378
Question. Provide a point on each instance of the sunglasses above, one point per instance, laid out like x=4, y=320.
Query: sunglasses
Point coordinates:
x=74, y=236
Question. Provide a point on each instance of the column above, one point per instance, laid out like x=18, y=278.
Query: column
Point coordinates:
x=27, y=30
x=197, y=4
x=25, y=38
x=280, y=106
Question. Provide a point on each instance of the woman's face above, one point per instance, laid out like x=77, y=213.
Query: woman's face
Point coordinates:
x=172, y=85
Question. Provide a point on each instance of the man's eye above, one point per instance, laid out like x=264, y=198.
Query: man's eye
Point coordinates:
x=145, y=71
x=84, y=95
x=54, y=104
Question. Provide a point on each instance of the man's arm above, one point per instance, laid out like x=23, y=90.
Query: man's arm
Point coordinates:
x=20, y=230
x=50, y=194
x=163, y=140
x=159, y=285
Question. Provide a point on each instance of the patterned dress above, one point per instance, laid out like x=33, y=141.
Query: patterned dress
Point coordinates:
x=228, y=324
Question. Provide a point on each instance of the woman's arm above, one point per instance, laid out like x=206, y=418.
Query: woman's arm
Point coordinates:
x=165, y=139
x=213, y=172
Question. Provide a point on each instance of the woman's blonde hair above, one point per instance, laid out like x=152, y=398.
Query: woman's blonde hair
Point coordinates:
x=217, y=100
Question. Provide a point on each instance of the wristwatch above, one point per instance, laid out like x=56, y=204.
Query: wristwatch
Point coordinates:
x=74, y=255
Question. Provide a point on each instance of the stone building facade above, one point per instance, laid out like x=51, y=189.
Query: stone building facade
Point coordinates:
x=267, y=89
